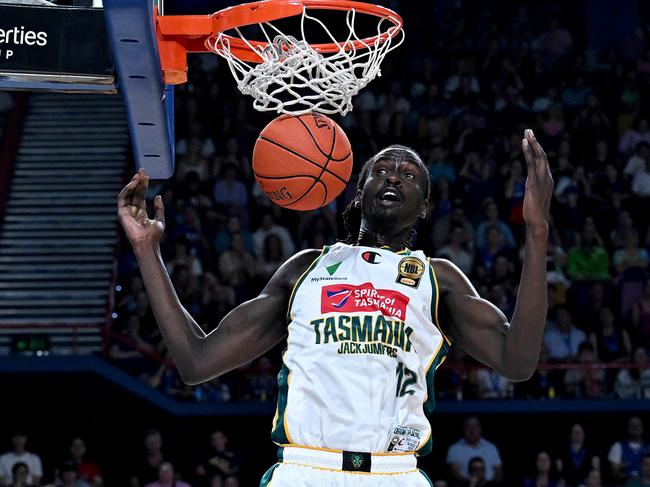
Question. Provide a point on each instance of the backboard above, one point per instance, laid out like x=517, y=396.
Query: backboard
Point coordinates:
x=106, y=50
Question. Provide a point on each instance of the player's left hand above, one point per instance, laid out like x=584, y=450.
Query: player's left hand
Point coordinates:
x=539, y=185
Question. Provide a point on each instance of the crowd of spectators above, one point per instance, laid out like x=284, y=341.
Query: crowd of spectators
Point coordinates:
x=575, y=458
x=462, y=103
x=217, y=465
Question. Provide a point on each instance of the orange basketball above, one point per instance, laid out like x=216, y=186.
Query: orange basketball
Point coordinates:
x=302, y=162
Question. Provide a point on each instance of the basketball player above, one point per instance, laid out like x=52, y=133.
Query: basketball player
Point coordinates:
x=366, y=323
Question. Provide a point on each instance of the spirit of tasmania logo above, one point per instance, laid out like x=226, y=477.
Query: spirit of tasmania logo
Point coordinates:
x=346, y=298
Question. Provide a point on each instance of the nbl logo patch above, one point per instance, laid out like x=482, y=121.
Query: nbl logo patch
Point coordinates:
x=347, y=298
x=410, y=271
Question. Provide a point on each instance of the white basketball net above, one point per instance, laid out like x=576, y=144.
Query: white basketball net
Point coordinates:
x=294, y=78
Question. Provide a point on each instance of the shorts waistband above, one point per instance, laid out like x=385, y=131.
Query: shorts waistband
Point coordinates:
x=348, y=461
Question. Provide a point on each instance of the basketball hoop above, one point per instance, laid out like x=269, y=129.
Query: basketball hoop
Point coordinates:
x=288, y=73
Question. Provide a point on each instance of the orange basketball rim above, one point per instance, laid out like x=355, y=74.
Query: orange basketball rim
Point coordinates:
x=179, y=34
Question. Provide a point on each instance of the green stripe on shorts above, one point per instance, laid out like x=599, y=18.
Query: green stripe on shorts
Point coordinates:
x=268, y=476
x=426, y=477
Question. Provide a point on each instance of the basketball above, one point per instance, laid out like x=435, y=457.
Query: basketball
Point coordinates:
x=302, y=162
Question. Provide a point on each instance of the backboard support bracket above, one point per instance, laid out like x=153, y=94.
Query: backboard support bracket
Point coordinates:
x=149, y=102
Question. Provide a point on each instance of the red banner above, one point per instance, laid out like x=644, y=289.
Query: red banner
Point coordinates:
x=346, y=298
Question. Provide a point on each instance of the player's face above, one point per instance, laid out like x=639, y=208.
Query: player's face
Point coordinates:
x=393, y=196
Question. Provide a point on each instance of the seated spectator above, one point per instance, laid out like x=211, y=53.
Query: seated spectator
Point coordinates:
x=193, y=161
x=216, y=481
x=237, y=266
x=233, y=156
x=130, y=350
x=588, y=260
x=641, y=182
x=231, y=193
x=168, y=381
x=594, y=479
x=635, y=381
x=556, y=273
x=457, y=252
x=216, y=300
x=637, y=162
x=569, y=215
x=641, y=316
x=269, y=227
x=610, y=340
x=553, y=122
x=206, y=144
x=187, y=289
x=440, y=166
x=557, y=39
x=624, y=225
x=442, y=199
x=262, y=381
x=478, y=181
x=514, y=192
x=455, y=379
x=442, y=228
x=216, y=390
x=471, y=445
x=491, y=221
x=315, y=224
x=191, y=192
x=88, y=471
x=20, y=474
x=70, y=476
x=167, y=477
x=17, y=454
x=270, y=259
x=147, y=468
x=477, y=474
x=585, y=382
x=625, y=455
x=231, y=481
x=632, y=137
x=577, y=458
x=191, y=228
x=222, y=240
x=562, y=338
x=543, y=384
x=631, y=255
x=542, y=102
x=491, y=385
x=575, y=94
x=495, y=247
x=545, y=474
x=503, y=274
x=644, y=479
x=219, y=459
x=182, y=256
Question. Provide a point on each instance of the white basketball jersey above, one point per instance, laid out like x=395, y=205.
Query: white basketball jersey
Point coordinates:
x=362, y=349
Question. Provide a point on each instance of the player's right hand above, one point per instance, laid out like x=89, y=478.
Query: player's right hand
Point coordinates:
x=132, y=213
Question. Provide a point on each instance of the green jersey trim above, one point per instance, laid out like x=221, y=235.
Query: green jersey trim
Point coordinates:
x=280, y=433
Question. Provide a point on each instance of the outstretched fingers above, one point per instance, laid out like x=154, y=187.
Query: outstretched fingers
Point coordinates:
x=125, y=198
x=535, y=156
x=139, y=202
x=159, y=209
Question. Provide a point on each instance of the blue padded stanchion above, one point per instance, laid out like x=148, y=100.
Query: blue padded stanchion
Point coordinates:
x=149, y=103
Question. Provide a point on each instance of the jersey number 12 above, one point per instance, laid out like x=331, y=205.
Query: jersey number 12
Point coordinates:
x=405, y=377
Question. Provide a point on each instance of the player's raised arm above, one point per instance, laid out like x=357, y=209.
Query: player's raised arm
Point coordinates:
x=512, y=349
x=245, y=333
